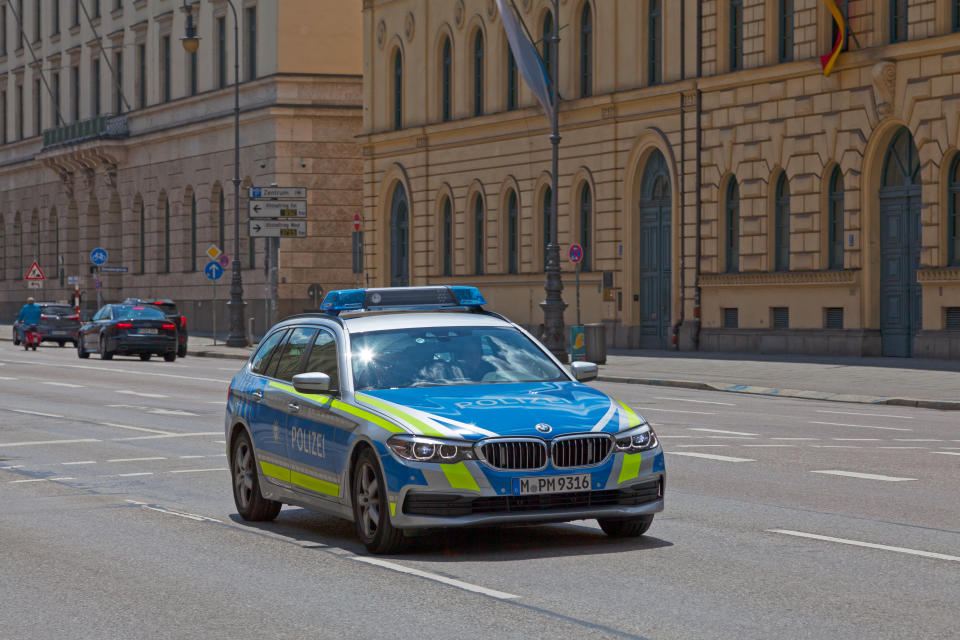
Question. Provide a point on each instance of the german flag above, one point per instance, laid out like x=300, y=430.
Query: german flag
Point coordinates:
x=828, y=61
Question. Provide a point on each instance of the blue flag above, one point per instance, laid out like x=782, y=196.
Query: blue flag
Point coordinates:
x=529, y=63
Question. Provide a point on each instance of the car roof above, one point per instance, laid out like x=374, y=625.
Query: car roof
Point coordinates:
x=407, y=320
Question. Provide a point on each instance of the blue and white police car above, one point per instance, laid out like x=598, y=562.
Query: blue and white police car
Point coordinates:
x=413, y=408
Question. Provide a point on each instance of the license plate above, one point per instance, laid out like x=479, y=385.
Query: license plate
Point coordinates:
x=148, y=332
x=551, y=484
x=59, y=333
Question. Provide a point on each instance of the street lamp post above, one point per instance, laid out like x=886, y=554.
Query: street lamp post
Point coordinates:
x=553, y=306
x=191, y=42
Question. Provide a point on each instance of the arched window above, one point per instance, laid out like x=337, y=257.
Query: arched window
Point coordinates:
x=547, y=228
x=835, y=221
x=655, y=40
x=586, y=227
x=447, y=238
x=143, y=237
x=546, y=33
x=478, y=254
x=513, y=86
x=898, y=20
x=513, y=234
x=166, y=234
x=786, y=30
x=193, y=231
x=953, y=213
x=586, y=51
x=478, y=74
x=736, y=35
x=782, y=225
x=732, y=218
x=446, y=67
x=398, y=90
x=399, y=238
x=955, y=18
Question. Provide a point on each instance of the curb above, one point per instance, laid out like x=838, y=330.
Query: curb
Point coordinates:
x=943, y=405
x=217, y=354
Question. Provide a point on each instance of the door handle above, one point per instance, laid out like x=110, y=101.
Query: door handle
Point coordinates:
x=293, y=406
x=257, y=396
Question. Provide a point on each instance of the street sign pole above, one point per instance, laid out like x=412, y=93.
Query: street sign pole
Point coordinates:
x=214, y=312
x=579, y=324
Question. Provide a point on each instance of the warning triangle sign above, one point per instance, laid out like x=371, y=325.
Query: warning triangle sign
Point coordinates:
x=35, y=273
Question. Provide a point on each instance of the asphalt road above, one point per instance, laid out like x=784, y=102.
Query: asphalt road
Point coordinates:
x=785, y=518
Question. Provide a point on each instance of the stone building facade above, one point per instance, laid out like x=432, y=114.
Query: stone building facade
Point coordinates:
x=734, y=196
x=114, y=136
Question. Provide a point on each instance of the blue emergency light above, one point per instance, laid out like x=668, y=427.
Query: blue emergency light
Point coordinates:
x=401, y=299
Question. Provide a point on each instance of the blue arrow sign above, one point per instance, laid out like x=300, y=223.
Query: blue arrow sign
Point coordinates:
x=213, y=270
x=98, y=256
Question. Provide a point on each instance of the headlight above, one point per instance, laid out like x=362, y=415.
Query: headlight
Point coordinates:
x=423, y=449
x=639, y=438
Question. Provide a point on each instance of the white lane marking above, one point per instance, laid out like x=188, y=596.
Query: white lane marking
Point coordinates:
x=855, y=439
x=134, y=459
x=182, y=514
x=901, y=447
x=130, y=475
x=62, y=384
x=142, y=395
x=767, y=445
x=220, y=402
x=80, y=462
x=197, y=470
x=862, y=476
x=670, y=435
x=8, y=378
x=493, y=593
x=709, y=456
x=788, y=438
x=40, y=442
x=13, y=466
x=699, y=413
x=37, y=413
x=700, y=446
x=126, y=372
x=732, y=433
x=916, y=440
x=215, y=455
x=153, y=410
x=726, y=404
x=173, y=435
x=132, y=428
x=62, y=478
x=836, y=446
x=30, y=480
x=860, y=426
x=947, y=453
x=857, y=413
x=868, y=545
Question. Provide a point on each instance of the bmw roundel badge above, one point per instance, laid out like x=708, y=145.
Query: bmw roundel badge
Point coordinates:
x=544, y=428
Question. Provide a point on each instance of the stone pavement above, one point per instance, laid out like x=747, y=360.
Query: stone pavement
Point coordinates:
x=932, y=384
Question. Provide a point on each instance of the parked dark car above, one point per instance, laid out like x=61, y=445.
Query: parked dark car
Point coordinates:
x=58, y=323
x=169, y=309
x=126, y=329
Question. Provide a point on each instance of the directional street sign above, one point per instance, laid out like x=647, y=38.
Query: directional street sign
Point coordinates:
x=214, y=252
x=278, y=208
x=224, y=260
x=114, y=269
x=213, y=270
x=98, y=256
x=284, y=193
x=35, y=273
x=278, y=228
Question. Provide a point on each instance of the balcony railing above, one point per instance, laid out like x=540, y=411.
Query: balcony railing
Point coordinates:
x=99, y=128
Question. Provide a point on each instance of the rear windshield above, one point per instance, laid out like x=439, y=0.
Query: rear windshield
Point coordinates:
x=136, y=312
x=167, y=308
x=57, y=310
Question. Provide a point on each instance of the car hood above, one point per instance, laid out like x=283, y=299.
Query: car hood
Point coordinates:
x=478, y=411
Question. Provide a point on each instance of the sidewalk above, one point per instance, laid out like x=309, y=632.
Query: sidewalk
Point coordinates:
x=933, y=384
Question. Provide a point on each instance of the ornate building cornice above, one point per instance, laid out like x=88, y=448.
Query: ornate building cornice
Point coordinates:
x=947, y=275
x=791, y=278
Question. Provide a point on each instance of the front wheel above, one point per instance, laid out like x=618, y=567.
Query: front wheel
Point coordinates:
x=104, y=354
x=625, y=527
x=60, y=343
x=251, y=505
x=370, y=509
x=144, y=356
x=170, y=357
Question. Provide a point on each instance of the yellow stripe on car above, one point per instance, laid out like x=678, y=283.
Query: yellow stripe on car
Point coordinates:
x=632, y=415
x=388, y=408
x=630, y=468
x=300, y=479
x=341, y=406
x=459, y=476
x=275, y=471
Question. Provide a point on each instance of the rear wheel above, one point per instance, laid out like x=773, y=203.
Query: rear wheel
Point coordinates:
x=625, y=527
x=83, y=353
x=371, y=513
x=251, y=505
x=60, y=343
x=170, y=357
x=104, y=354
x=144, y=356
x=182, y=351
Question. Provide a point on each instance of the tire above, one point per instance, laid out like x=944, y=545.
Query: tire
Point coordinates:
x=16, y=338
x=34, y=347
x=104, y=354
x=170, y=357
x=144, y=356
x=60, y=343
x=181, y=352
x=251, y=505
x=81, y=352
x=625, y=527
x=26, y=347
x=371, y=513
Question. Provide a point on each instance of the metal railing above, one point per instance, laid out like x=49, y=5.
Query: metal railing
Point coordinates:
x=101, y=127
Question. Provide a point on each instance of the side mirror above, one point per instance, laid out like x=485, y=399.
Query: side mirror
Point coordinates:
x=313, y=382
x=583, y=371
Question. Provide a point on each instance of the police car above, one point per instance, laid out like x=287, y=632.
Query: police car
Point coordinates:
x=413, y=408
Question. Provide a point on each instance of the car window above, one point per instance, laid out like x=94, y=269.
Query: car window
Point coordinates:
x=103, y=314
x=166, y=308
x=291, y=361
x=323, y=358
x=57, y=310
x=436, y=356
x=261, y=359
x=134, y=312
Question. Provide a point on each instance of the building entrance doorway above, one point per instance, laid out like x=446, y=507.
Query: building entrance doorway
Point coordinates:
x=900, y=228
x=655, y=255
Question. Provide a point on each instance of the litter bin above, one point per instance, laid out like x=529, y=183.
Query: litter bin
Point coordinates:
x=595, y=341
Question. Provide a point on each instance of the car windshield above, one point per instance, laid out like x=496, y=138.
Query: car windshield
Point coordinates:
x=439, y=356
x=133, y=312
x=58, y=310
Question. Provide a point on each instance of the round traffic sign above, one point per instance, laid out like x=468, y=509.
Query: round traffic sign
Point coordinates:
x=99, y=256
x=576, y=253
x=356, y=222
x=224, y=260
x=213, y=270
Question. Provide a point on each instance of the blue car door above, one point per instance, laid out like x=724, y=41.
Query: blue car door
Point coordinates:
x=262, y=403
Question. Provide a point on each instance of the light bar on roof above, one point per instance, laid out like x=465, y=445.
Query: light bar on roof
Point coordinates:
x=401, y=298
